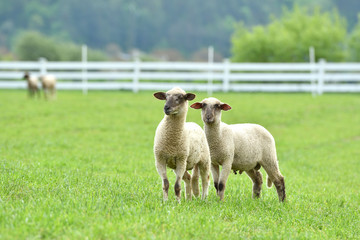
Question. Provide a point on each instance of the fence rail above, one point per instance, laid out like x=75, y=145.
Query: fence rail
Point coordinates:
x=258, y=77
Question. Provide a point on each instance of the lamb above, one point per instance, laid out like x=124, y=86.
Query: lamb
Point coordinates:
x=239, y=147
x=32, y=82
x=181, y=146
x=48, y=85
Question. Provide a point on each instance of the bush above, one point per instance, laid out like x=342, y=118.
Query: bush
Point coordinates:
x=289, y=38
x=30, y=46
x=354, y=43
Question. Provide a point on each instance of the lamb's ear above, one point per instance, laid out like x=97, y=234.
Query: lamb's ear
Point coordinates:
x=160, y=95
x=189, y=96
x=225, y=107
x=196, y=105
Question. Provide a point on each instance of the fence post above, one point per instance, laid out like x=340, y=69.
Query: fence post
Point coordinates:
x=312, y=65
x=210, y=69
x=226, y=75
x=43, y=70
x=84, y=69
x=136, y=74
x=321, y=76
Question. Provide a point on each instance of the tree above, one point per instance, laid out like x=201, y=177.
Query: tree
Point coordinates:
x=354, y=43
x=288, y=39
x=33, y=45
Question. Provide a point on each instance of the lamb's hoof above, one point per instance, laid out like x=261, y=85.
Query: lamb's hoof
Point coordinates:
x=221, y=197
x=256, y=196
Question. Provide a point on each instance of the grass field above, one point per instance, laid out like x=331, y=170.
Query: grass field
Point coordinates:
x=82, y=167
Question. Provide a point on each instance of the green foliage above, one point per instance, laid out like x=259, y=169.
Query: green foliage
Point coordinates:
x=288, y=39
x=83, y=167
x=354, y=43
x=33, y=45
x=187, y=26
x=348, y=9
x=96, y=55
x=72, y=52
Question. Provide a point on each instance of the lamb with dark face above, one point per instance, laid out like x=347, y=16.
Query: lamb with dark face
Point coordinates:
x=32, y=82
x=239, y=147
x=175, y=100
x=181, y=146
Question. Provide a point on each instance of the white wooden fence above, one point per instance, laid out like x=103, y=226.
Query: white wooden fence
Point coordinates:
x=255, y=77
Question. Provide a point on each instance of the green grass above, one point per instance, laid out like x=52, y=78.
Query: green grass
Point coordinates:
x=82, y=167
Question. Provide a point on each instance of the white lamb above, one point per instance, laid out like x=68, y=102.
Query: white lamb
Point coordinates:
x=181, y=146
x=49, y=86
x=32, y=82
x=239, y=147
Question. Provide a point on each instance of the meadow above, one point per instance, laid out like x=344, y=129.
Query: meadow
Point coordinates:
x=82, y=167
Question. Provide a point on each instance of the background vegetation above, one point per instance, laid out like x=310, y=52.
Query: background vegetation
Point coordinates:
x=83, y=167
x=288, y=39
x=167, y=29
x=31, y=45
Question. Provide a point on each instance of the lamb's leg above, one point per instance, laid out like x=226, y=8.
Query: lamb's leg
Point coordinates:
x=187, y=179
x=205, y=178
x=226, y=169
x=161, y=168
x=272, y=169
x=257, y=179
x=280, y=188
x=195, y=181
x=53, y=93
x=45, y=93
x=179, y=171
x=215, y=174
x=33, y=92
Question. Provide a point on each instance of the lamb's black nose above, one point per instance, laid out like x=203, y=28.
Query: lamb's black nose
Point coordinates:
x=208, y=118
x=167, y=110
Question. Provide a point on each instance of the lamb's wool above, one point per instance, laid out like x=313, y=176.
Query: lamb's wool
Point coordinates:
x=181, y=146
x=239, y=147
x=49, y=85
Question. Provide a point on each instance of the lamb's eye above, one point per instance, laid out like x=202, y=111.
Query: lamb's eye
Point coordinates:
x=204, y=105
x=217, y=106
x=178, y=98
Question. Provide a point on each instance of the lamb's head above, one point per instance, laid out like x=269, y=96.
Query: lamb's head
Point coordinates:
x=26, y=75
x=211, y=109
x=176, y=100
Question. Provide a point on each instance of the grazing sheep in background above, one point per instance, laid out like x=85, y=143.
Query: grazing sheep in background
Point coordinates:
x=49, y=86
x=239, y=147
x=181, y=146
x=32, y=82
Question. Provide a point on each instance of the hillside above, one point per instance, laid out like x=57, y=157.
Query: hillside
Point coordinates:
x=148, y=25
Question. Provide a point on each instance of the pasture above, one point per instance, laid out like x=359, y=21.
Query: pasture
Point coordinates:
x=82, y=167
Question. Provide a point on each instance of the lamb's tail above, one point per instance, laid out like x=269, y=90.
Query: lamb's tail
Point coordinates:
x=269, y=182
